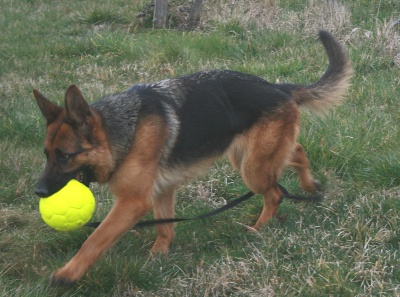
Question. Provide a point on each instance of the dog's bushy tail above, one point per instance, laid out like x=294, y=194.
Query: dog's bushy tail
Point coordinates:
x=330, y=89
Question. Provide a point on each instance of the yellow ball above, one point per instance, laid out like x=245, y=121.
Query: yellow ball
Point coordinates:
x=68, y=209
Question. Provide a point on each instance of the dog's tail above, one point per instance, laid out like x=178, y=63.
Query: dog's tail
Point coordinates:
x=330, y=89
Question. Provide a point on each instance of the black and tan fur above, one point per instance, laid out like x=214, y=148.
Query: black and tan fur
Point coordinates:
x=148, y=140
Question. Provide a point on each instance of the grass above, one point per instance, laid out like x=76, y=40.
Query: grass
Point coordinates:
x=346, y=245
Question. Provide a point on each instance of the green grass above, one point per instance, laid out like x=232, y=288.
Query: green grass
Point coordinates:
x=346, y=245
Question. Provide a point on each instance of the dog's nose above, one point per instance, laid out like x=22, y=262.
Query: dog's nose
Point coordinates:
x=41, y=191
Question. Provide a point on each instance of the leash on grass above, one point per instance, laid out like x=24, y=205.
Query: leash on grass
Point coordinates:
x=227, y=206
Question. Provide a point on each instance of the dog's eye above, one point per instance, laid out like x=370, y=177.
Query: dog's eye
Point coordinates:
x=62, y=157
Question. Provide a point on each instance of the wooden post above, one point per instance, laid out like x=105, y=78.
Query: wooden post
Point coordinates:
x=194, y=15
x=160, y=14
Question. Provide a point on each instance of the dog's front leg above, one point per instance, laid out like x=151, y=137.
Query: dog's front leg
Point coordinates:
x=125, y=213
x=132, y=185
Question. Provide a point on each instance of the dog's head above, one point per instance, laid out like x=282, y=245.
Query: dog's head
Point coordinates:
x=69, y=142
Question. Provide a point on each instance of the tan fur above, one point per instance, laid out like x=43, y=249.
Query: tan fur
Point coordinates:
x=99, y=157
x=164, y=207
x=180, y=174
x=261, y=153
x=300, y=163
x=321, y=98
x=132, y=185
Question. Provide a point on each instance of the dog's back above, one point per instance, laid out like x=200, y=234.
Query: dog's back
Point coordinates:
x=205, y=110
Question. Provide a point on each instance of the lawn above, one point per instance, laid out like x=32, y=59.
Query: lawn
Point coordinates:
x=346, y=245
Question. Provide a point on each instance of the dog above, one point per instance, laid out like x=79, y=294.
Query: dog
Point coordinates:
x=149, y=139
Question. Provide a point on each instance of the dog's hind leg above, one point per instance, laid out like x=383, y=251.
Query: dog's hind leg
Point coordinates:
x=262, y=152
x=261, y=176
x=272, y=200
x=163, y=205
x=300, y=163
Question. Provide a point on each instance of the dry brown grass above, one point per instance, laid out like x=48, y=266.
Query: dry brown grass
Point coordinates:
x=330, y=15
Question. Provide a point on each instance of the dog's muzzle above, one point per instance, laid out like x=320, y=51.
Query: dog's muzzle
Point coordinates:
x=49, y=184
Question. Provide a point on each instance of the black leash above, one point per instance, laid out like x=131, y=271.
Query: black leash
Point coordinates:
x=227, y=206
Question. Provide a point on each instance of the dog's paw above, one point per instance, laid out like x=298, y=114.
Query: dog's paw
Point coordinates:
x=318, y=185
x=55, y=280
x=65, y=276
x=160, y=247
x=318, y=195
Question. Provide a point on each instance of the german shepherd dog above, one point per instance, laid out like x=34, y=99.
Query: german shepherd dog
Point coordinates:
x=149, y=139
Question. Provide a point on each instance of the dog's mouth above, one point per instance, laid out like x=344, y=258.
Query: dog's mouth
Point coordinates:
x=51, y=183
x=85, y=175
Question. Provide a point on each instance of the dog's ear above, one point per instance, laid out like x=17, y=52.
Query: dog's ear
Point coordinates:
x=76, y=107
x=49, y=110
